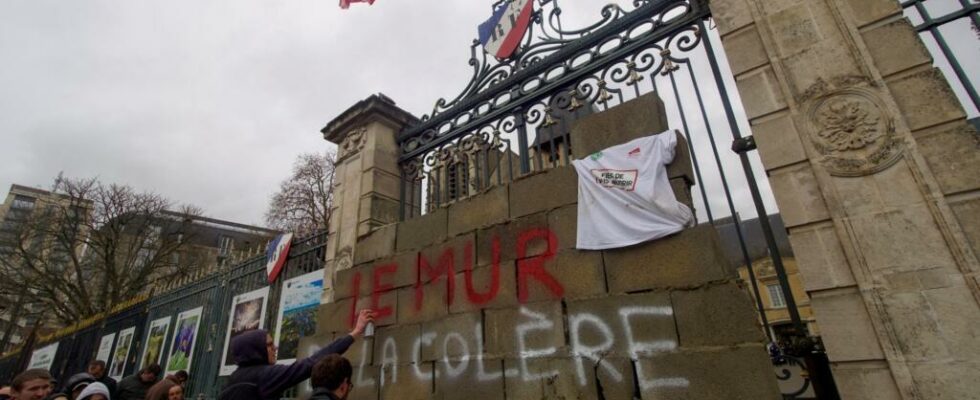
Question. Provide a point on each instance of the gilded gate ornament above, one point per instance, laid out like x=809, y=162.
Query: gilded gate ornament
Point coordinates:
x=853, y=133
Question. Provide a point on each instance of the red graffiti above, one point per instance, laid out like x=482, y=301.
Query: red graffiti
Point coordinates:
x=446, y=266
x=380, y=288
x=534, y=266
x=471, y=293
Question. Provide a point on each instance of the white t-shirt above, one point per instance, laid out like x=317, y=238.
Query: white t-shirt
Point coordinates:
x=624, y=196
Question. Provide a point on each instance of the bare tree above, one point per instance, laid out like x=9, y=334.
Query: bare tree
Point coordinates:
x=302, y=204
x=92, y=246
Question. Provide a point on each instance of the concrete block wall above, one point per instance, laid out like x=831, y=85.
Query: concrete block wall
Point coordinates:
x=488, y=299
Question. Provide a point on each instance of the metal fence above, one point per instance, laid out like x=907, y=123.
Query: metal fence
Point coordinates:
x=214, y=293
x=514, y=116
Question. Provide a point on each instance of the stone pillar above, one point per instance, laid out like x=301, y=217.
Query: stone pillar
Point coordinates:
x=876, y=174
x=366, y=180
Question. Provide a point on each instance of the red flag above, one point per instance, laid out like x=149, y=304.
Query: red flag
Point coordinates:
x=345, y=4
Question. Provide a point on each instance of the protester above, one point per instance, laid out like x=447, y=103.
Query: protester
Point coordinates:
x=176, y=393
x=33, y=384
x=95, y=391
x=75, y=384
x=97, y=369
x=259, y=377
x=134, y=387
x=331, y=378
x=161, y=390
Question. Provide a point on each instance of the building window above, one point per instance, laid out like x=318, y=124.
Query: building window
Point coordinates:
x=23, y=202
x=776, y=296
x=224, y=246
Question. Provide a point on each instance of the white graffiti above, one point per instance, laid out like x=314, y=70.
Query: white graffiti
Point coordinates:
x=591, y=339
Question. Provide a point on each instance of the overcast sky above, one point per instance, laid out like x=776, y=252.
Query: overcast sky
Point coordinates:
x=209, y=102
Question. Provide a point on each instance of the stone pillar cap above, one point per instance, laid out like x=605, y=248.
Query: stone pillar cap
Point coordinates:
x=361, y=113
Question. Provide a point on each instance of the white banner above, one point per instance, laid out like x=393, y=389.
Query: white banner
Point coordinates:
x=247, y=313
x=297, y=313
x=105, y=348
x=185, y=337
x=43, y=357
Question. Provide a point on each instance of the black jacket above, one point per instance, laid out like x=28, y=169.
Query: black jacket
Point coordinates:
x=131, y=388
x=250, y=355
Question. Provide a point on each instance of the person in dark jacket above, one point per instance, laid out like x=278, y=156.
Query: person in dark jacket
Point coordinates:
x=161, y=390
x=97, y=369
x=331, y=378
x=254, y=353
x=134, y=387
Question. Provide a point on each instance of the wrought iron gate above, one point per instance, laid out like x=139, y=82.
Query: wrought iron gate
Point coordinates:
x=513, y=117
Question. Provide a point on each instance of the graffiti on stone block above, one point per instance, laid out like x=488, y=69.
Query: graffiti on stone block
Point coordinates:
x=531, y=271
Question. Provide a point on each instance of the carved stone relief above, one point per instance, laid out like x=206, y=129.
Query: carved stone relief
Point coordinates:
x=352, y=143
x=853, y=133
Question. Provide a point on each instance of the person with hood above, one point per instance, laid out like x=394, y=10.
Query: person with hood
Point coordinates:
x=76, y=384
x=254, y=353
x=134, y=387
x=95, y=391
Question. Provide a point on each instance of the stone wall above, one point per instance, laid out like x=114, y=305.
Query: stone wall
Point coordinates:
x=877, y=176
x=489, y=299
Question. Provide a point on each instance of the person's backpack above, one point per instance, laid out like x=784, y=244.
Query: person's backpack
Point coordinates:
x=240, y=391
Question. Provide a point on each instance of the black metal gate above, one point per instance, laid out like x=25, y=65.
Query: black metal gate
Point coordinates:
x=513, y=117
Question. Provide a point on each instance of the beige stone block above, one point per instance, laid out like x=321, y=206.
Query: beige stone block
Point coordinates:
x=958, y=319
x=799, y=26
x=730, y=14
x=895, y=46
x=893, y=188
x=379, y=181
x=798, y=195
x=821, y=67
x=760, y=93
x=422, y=231
x=904, y=239
x=778, y=140
x=916, y=330
x=863, y=12
x=381, y=159
x=543, y=332
x=742, y=373
x=865, y=381
x=820, y=258
x=968, y=215
x=845, y=325
x=947, y=380
x=925, y=99
x=381, y=136
x=482, y=210
x=953, y=157
x=745, y=50
x=377, y=244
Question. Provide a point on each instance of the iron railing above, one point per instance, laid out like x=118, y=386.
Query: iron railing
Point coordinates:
x=214, y=293
x=957, y=19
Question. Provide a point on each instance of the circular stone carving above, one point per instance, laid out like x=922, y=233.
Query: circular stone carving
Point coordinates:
x=853, y=133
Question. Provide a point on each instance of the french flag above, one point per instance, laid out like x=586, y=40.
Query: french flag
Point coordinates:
x=345, y=4
x=501, y=34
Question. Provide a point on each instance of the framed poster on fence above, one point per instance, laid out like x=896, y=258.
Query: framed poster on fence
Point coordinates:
x=297, y=313
x=118, y=366
x=185, y=337
x=247, y=313
x=156, y=337
x=43, y=357
x=105, y=348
